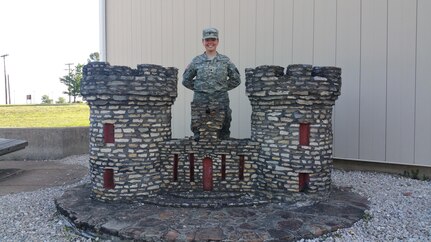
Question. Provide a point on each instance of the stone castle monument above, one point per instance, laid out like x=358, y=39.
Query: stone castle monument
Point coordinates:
x=134, y=158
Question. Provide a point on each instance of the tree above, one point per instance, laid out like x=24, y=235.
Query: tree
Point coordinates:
x=46, y=99
x=61, y=100
x=73, y=79
x=73, y=82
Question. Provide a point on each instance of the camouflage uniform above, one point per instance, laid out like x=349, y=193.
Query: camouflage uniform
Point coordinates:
x=211, y=79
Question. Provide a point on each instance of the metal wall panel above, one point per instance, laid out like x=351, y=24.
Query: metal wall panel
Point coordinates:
x=146, y=31
x=303, y=31
x=111, y=31
x=231, y=43
x=325, y=33
x=192, y=47
x=156, y=30
x=372, y=100
x=203, y=18
x=264, y=18
x=181, y=107
x=167, y=32
x=125, y=35
x=247, y=59
x=283, y=32
x=401, y=47
x=136, y=31
x=382, y=46
x=423, y=85
x=348, y=57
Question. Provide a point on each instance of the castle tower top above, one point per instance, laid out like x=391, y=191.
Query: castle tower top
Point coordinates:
x=300, y=83
x=101, y=79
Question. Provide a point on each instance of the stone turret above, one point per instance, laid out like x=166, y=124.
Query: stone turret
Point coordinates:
x=292, y=121
x=130, y=113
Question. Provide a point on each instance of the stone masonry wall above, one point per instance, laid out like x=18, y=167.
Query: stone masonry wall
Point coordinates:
x=237, y=174
x=137, y=103
x=281, y=102
x=231, y=149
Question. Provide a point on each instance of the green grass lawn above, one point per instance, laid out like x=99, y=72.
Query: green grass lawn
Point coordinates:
x=58, y=115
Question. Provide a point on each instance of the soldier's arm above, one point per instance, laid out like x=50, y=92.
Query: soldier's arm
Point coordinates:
x=234, y=76
x=188, y=75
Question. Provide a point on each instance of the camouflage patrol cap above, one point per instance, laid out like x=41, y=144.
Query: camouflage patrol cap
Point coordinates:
x=210, y=33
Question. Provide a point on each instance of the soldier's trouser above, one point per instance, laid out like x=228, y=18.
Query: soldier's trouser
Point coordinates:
x=222, y=98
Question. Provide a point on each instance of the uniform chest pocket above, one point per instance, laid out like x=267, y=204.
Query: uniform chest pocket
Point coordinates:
x=220, y=69
x=212, y=69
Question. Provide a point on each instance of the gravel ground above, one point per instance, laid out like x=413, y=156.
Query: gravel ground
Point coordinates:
x=32, y=216
x=400, y=210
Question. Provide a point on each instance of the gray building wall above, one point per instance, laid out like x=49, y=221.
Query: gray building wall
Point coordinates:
x=382, y=46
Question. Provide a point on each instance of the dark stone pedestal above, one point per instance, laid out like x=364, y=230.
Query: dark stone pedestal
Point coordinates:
x=268, y=222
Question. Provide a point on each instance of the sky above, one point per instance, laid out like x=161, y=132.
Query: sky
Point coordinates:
x=40, y=37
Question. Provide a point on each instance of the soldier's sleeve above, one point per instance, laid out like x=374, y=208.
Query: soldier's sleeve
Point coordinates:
x=188, y=75
x=234, y=76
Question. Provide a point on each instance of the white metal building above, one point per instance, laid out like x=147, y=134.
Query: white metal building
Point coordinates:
x=382, y=46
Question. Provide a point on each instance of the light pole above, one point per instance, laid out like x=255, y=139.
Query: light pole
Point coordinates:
x=8, y=89
x=5, y=78
x=68, y=65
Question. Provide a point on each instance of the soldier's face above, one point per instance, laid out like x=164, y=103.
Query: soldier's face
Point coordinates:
x=210, y=44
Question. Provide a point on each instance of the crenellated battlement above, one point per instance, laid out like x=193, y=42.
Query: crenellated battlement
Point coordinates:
x=299, y=83
x=102, y=82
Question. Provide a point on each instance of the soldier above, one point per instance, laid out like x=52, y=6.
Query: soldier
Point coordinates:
x=211, y=75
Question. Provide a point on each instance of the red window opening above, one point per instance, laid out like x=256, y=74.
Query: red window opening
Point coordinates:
x=175, y=168
x=304, y=134
x=108, y=179
x=192, y=167
x=207, y=175
x=304, y=181
x=223, y=167
x=108, y=133
x=241, y=167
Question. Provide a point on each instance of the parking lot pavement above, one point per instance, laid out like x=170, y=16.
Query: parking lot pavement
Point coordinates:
x=24, y=176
